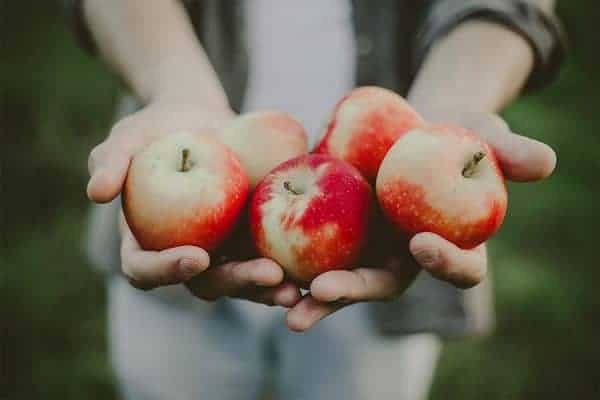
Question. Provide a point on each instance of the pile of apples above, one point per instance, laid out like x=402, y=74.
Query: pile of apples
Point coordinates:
x=254, y=184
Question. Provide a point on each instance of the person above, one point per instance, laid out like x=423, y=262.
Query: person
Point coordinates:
x=193, y=65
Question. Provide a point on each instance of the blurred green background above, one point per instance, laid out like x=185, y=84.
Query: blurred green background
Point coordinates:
x=56, y=103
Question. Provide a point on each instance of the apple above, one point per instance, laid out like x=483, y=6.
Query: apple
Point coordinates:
x=446, y=180
x=364, y=125
x=261, y=140
x=184, y=189
x=264, y=139
x=311, y=215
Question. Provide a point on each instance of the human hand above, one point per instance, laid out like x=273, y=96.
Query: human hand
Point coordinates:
x=109, y=161
x=521, y=159
x=259, y=280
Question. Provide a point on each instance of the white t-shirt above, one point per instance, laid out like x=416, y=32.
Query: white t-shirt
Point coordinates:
x=302, y=57
x=301, y=61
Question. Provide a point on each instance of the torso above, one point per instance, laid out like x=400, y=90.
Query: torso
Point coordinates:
x=301, y=61
x=302, y=57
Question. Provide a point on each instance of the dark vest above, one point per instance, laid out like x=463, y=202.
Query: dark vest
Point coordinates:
x=384, y=34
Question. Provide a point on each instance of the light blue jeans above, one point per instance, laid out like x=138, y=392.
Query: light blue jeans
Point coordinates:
x=189, y=349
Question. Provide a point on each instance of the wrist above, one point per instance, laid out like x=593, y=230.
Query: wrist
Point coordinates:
x=447, y=111
x=183, y=80
x=438, y=107
x=462, y=73
x=193, y=94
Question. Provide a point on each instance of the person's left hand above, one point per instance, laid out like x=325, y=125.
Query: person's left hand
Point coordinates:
x=521, y=159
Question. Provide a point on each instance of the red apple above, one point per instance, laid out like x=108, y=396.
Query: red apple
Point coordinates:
x=446, y=180
x=364, y=125
x=184, y=189
x=264, y=139
x=311, y=215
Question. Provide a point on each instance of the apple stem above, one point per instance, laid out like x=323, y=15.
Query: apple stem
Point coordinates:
x=185, y=154
x=469, y=169
x=288, y=186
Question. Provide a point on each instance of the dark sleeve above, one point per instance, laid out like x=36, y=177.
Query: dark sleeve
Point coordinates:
x=541, y=30
x=78, y=25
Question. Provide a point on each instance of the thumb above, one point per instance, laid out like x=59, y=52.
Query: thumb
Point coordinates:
x=108, y=169
x=445, y=261
x=522, y=159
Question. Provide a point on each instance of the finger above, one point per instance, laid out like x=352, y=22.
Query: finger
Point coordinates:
x=107, y=164
x=308, y=312
x=446, y=261
x=521, y=159
x=232, y=278
x=150, y=269
x=363, y=284
x=285, y=295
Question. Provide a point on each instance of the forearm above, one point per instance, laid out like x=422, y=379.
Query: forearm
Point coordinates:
x=152, y=46
x=479, y=66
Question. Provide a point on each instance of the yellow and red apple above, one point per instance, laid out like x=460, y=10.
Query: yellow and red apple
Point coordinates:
x=262, y=140
x=184, y=189
x=364, y=125
x=446, y=180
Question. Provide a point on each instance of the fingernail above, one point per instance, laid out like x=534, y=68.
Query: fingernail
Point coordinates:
x=189, y=267
x=427, y=258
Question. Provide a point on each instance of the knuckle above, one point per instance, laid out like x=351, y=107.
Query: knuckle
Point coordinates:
x=358, y=290
x=175, y=273
x=237, y=273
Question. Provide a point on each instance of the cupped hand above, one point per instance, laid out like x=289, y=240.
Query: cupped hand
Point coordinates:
x=258, y=280
x=522, y=160
x=108, y=162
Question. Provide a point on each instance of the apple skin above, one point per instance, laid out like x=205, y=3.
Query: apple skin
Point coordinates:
x=262, y=140
x=421, y=186
x=311, y=215
x=364, y=125
x=166, y=207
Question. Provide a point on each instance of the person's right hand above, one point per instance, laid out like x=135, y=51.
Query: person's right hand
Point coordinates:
x=259, y=280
